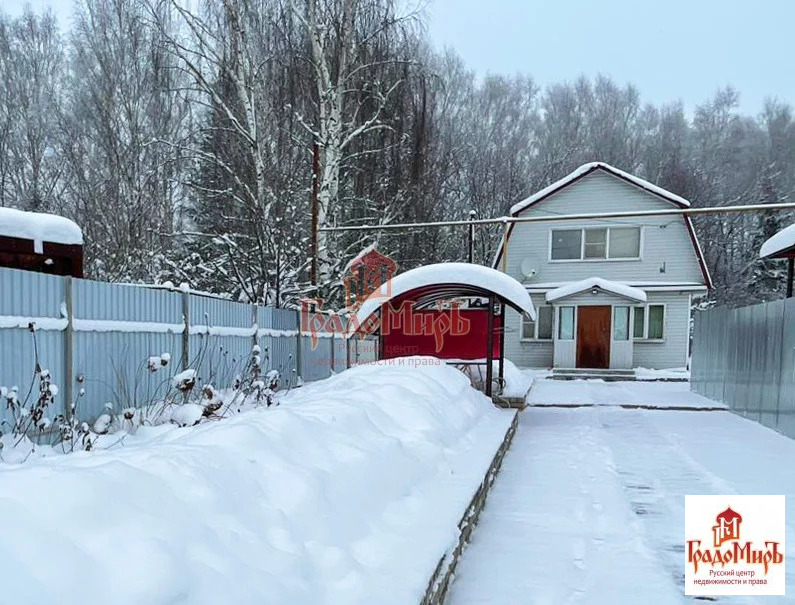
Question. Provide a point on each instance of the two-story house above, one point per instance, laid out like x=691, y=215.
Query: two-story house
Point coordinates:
x=610, y=293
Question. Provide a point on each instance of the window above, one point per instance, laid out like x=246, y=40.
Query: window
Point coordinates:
x=620, y=323
x=656, y=321
x=649, y=322
x=566, y=323
x=638, y=330
x=543, y=325
x=595, y=243
x=566, y=244
x=528, y=328
x=624, y=242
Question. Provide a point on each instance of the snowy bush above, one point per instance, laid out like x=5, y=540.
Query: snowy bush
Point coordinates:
x=36, y=427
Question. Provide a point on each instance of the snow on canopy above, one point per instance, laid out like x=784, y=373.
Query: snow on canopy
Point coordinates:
x=476, y=276
x=780, y=242
x=590, y=167
x=39, y=227
x=606, y=285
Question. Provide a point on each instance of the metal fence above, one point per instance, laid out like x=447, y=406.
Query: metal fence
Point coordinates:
x=746, y=359
x=97, y=338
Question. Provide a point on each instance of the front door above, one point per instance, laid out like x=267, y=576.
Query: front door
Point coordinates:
x=593, y=337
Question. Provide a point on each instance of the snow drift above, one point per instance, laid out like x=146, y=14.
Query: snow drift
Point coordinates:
x=348, y=492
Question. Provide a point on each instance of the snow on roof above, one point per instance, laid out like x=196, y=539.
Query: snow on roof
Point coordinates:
x=39, y=227
x=585, y=169
x=781, y=241
x=615, y=287
x=478, y=276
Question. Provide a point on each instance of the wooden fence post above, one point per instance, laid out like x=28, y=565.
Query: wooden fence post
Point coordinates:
x=68, y=355
x=186, y=331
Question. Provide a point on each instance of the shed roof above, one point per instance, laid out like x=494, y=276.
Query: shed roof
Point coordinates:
x=39, y=227
x=449, y=280
x=781, y=245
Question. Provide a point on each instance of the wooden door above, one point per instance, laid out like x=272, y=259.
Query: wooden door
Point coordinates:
x=593, y=337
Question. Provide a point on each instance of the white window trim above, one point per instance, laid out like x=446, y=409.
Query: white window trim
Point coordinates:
x=556, y=323
x=630, y=317
x=582, y=258
x=535, y=338
x=645, y=337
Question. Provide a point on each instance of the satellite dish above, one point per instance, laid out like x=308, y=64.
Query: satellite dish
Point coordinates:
x=529, y=267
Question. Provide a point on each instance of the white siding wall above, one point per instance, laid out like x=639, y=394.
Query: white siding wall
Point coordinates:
x=672, y=353
x=665, y=239
x=665, y=244
x=527, y=354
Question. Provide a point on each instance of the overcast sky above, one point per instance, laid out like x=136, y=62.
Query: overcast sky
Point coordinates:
x=672, y=49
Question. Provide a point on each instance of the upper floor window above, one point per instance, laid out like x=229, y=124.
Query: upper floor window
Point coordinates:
x=595, y=243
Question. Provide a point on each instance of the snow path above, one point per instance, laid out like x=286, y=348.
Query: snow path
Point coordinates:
x=589, y=505
x=598, y=392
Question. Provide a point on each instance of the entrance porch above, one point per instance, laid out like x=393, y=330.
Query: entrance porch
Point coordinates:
x=592, y=324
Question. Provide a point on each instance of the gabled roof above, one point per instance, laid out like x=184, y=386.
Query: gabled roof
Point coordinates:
x=597, y=283
x=781, y=245
x=586, y=169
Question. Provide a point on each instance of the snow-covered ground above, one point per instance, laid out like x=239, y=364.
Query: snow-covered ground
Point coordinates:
x=589, y=505
x=598, y=392
x=348, y=492
x=681, y=374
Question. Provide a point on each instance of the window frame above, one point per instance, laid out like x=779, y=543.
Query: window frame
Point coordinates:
x=606, y=258
x=629, y=323
x=558, y=325
x=645, y=337
x=534, y=338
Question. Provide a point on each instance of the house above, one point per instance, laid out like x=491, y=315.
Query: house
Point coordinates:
x=609, y=293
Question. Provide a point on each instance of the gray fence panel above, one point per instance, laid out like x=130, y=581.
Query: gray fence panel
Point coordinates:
x=367, y=350
x=315, y=358
x=785, y=417
x=117, y=328
x=17, y=365
x=279, y=352
x=26, y=297
x=746, y=359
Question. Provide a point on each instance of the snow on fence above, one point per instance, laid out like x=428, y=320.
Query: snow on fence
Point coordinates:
x=746, y=358
x=97, y=338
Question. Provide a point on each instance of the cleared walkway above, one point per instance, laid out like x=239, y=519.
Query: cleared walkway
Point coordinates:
x=589, y=505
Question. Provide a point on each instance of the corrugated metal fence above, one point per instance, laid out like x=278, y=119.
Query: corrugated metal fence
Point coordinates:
x=746, y=359
x=96, y=339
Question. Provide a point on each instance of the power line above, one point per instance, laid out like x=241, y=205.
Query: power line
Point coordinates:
x=505, y=220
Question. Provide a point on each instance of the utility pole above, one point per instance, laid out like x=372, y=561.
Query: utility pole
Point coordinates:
x=313, y=244
x=472, y=215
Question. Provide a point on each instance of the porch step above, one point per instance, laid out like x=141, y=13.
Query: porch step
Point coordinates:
x=592, y=374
